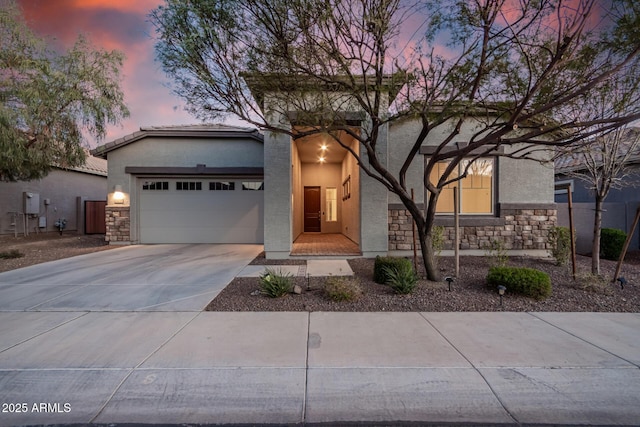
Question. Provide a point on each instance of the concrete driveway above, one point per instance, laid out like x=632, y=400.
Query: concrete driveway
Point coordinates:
x=132, y=278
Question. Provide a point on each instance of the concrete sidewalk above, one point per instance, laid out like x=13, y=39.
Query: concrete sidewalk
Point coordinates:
x=294, y=368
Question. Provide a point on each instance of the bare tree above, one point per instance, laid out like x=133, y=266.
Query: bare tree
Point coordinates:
x=605, y=164
x=510, y=68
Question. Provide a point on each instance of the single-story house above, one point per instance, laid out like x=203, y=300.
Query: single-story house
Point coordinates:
x=619, y=208
x=224, y=184
x=36, y=206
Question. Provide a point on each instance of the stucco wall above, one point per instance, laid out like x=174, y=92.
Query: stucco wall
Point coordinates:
x=297, y=195
x=525, y=181
x=62, y=188
x=402, y=136
x=351, y=206
x=181, y=152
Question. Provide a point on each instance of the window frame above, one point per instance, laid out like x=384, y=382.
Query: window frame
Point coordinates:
x=153, y=186
x=223, y=186
x=249, y=188
x=197, y=186
x=493, y=188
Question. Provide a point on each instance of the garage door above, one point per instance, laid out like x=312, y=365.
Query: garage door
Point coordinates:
x=200, y=211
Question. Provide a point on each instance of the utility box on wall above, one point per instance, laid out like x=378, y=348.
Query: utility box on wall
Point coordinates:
x=31, y=203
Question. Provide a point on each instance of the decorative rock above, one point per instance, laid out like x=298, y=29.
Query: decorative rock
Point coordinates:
x=297, y=290
x=255, y=293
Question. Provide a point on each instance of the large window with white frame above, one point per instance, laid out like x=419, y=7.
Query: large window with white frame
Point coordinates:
x=476, y=190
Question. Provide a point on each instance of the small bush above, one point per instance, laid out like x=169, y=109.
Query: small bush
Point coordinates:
x=437, y=240
x=611, y=243
x=379, y=275
x=402, y=280
x=13, y=253
x=526, y=281
x=496, y=251
x=340, y=288
x=275, y=284
x=560, y=240
x=593, y=283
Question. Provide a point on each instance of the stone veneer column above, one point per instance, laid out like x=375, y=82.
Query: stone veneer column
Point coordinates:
x=118, y=220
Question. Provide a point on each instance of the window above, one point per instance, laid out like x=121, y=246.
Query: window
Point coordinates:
x=253, y=185
x=475, y=190
x=332, y=204
x=155, y=185
x=188, y=185
x=222, y=186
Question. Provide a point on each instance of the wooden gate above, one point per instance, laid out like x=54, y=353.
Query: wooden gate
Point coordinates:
x=94, y=217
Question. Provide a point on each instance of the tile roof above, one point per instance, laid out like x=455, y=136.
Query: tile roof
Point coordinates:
x=92, y=165
x=194, y=131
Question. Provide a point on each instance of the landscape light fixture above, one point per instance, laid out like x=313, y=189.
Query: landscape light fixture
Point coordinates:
x=501, y=291
x=308, y=284
x=449, y=280
x=622, y=281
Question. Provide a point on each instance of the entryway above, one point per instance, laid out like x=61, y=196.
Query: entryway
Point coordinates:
x=324, y=244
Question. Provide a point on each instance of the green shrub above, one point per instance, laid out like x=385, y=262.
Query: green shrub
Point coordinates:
x=13, y=253
x=379, y=275
x=496, y=251
x=275, y=284
x=403, y=279
x=341, y=288
x=526, y=281
x=611, y=243
x=560, y=240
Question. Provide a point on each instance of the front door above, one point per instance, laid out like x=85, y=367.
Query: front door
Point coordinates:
x=312, y=212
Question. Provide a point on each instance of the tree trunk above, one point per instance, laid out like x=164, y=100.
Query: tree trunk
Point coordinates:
x=595, y=247
x=428, y=255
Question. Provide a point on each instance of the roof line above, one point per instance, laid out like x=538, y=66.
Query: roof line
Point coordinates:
x=200, y=132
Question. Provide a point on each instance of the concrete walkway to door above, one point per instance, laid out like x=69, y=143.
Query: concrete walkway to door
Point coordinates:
x=132, y=278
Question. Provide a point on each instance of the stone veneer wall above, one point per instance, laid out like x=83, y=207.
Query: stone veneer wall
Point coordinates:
x=118, y=224
x=517, y=228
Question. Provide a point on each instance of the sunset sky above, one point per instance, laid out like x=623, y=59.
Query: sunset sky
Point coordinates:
x=121, y=25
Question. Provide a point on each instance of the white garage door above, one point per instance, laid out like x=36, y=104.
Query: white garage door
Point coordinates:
x=183, y=210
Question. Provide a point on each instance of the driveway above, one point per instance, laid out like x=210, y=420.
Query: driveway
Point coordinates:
x=132, y=278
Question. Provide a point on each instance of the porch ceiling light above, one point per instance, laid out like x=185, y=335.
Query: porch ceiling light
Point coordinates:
x=323, y=147
x=321, y=159
x=118, y=195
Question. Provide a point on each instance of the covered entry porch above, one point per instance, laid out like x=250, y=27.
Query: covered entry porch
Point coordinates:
x=325, y=195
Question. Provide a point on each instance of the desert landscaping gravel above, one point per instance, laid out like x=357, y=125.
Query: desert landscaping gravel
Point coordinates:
x=37, y=248
x=469, y=291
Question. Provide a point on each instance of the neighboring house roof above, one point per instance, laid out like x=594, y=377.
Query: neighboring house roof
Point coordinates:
x=574, y=161
x=191, y=131
x=92, y=165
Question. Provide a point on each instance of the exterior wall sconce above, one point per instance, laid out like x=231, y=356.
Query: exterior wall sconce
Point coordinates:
x=501, y=291
x=118, y=195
